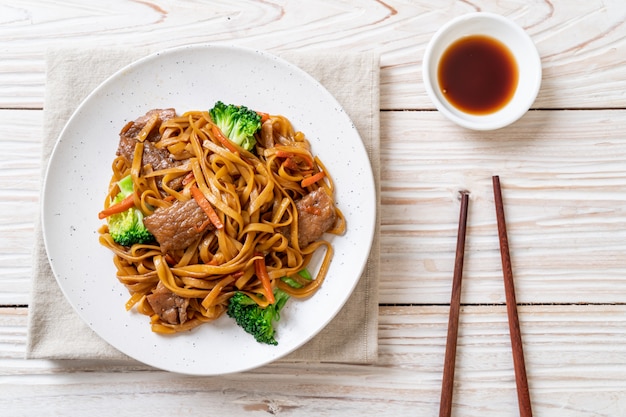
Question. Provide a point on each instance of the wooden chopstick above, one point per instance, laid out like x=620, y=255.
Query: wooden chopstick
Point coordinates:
x=447, y=385
x=523, y=396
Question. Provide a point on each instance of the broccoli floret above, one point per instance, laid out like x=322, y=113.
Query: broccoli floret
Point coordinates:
x=257, y=321
x=237, y=123
x=127, y=228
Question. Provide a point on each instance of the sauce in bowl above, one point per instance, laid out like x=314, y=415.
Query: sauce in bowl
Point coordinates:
x=478, y=74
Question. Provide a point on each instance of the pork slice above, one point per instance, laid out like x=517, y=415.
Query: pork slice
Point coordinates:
x=157, y=158
x=126, y=147
x=160, y=158
x=177, y=226
x=135, y=127
x=316, y=214
x=170, y=307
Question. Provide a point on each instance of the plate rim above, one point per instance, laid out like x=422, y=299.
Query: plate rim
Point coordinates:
x=370, y=180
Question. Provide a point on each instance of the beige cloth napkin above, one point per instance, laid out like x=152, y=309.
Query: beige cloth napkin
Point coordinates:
x=55, y=331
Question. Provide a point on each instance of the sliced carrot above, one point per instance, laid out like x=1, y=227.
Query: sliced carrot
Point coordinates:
x=188, y=178
x=312, y=179
x=120, y=207
x=264, y=116
x=223, y=139
x=261, y=272
x=284, y=154
x=207, y=207
x=295, y=165
x=292, y=155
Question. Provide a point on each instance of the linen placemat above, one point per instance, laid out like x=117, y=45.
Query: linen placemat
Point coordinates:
x=55, y=331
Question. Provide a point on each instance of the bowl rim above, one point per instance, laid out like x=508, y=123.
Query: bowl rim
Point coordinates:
x=499, y=118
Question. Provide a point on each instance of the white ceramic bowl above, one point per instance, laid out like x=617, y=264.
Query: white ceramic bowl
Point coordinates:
x=518, y=42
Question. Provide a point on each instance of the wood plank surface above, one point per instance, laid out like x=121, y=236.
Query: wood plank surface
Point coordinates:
x=582, y=44
x=562, y=169
x=579, y=365
x=20, y=168
x=563, y=182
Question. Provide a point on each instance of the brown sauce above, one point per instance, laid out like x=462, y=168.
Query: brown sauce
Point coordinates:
x=478, y=74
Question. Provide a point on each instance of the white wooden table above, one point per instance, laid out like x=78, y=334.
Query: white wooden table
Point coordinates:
x=562, y=167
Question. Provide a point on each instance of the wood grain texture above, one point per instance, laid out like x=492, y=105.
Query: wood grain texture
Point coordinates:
x=582, y=44
x=20, y=167
x=569, y=373
x=564, y=190
x=563, y=185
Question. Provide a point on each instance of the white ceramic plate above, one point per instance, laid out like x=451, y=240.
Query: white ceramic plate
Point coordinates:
x=187, y=78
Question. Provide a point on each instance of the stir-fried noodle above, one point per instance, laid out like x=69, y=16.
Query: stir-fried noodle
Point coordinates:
x=225, y=219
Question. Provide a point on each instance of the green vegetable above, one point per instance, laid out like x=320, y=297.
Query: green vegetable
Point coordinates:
x=304, y=273
x=257, y=321
x=127, y=228
x=237, y=123
x=291, y=282
x=295, y=284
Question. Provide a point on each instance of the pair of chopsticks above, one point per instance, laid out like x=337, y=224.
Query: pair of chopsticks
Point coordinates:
x=519, y=365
